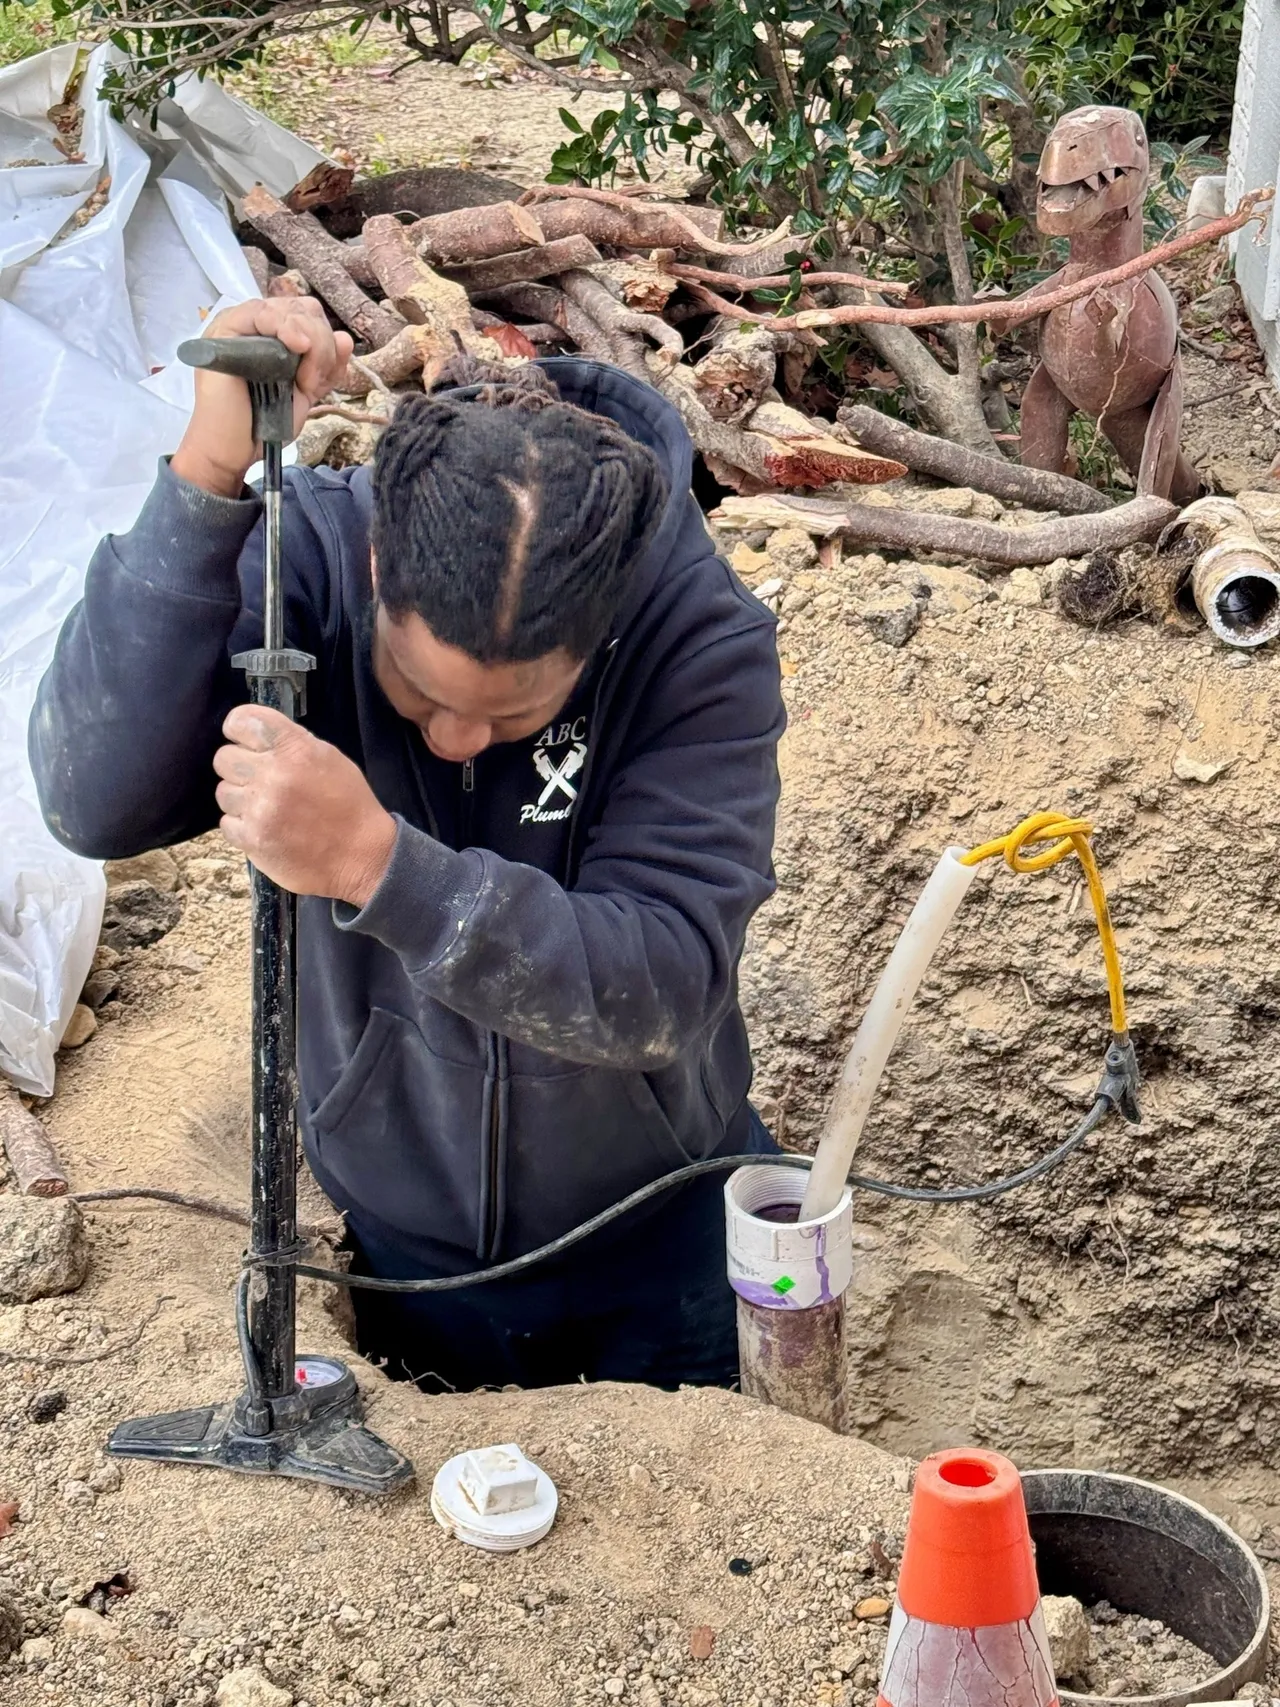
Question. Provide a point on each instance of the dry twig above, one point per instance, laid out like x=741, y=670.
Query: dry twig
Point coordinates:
x=780, y=281
x=201, y=1206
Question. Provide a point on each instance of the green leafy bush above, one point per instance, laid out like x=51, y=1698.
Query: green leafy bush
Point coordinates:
x=1174, y=63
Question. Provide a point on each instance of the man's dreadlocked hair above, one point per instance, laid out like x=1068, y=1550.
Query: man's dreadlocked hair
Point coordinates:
x=510, y=522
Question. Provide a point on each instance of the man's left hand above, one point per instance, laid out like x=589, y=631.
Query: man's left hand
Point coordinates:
x=299, y=809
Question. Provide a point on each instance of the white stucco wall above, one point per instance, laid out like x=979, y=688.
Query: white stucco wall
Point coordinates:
x=1255, y=160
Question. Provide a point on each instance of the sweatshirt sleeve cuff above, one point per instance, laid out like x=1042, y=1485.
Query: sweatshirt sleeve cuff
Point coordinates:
x=423, y=903
x=187, y=540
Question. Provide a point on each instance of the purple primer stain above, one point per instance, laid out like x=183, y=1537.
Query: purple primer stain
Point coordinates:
x=762, y=1295
x=820, y=1262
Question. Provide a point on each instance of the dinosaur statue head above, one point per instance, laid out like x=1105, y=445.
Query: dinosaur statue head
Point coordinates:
x=1093, y=172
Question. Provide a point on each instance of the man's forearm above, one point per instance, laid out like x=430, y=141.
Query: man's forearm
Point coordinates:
x=625, y=981
x=127, y=716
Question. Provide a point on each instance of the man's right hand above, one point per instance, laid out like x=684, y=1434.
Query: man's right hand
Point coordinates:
x=218, y=448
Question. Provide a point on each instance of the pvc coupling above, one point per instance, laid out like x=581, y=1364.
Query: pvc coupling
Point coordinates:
x=776, y=1261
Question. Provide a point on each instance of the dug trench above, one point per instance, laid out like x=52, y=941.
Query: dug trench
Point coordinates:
x=1121, y=1313
x=706, y=1550
x=1118, y=1314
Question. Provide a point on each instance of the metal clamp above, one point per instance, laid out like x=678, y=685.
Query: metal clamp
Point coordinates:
x=284, y=666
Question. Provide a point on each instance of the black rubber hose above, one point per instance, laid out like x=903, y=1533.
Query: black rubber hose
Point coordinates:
x=718, y=1164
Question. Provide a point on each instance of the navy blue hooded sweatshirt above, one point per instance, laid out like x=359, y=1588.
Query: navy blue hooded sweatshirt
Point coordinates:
x=537, y=1011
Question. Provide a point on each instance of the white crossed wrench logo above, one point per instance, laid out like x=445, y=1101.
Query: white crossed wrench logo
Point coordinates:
x=557, y=776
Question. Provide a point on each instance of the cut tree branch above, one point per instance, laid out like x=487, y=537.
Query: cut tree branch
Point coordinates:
x=475, y=233
x=952, y=536
x=258, y=265
x=306, y=245
x=612, y=316
x=412, y=350
x=788, y=450
x=418, y=293
x=31, y=1154
x=524, y=265
x=951, y=462
x=1014, y=310
x=622, y=222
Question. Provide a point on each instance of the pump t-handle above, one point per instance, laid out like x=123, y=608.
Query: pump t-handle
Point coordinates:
x=266, y=365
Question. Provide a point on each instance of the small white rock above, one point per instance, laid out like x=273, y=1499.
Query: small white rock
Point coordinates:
x=81, y=1625
x=1189, y=769
x=791, y=551
x=250, y=1687
x=80, y=1027
x=1022, y=588
x=76, y=1492
x=106, y=1478
x=1070, y=1639
x=37, y=1651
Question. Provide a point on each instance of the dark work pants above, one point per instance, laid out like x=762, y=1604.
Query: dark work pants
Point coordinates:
x=646, y=1299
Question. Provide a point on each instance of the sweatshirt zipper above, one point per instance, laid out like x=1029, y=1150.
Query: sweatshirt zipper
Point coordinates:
x=490, y=1229
x=468, y=800
x=492, y=1138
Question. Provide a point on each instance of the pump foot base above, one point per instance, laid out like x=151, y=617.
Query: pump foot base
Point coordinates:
x=315, y=1434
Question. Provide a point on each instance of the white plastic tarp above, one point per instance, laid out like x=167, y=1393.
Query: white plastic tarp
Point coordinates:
x=90, y=319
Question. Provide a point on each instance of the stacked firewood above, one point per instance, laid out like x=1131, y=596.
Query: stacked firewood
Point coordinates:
x=636, y=282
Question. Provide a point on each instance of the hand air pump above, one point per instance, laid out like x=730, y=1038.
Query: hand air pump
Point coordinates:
x=298, y=1416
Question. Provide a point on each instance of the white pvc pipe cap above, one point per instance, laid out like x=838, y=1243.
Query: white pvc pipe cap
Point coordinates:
x=494, y=1498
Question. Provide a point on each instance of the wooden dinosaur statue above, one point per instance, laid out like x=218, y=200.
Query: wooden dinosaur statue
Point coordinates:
x=1112, y=355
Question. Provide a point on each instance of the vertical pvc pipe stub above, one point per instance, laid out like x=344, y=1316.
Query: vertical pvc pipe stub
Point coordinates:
x=779, y=1264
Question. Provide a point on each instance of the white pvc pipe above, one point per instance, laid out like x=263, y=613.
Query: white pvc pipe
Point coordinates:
x=878, y=1033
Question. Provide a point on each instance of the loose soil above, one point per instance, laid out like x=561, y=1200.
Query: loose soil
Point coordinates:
x=495, y=115
x=1139, y=1656
x=1119, y=1314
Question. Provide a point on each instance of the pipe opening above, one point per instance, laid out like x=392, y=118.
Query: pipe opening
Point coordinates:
x=770, y=1189
x=1247, y=603
x=966, y=1473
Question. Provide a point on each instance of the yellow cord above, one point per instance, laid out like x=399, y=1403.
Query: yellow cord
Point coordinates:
x=1068, y=836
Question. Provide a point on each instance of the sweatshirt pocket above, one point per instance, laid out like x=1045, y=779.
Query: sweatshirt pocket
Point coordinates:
x=396, y=1138
x=577, y=1141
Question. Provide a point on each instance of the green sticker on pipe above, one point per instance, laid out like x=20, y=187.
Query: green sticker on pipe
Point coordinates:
x=783, y=1285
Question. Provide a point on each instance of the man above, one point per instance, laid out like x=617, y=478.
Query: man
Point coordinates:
x=530, y=815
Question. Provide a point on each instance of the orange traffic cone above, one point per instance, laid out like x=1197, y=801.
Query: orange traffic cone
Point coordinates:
x=967, y=1630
